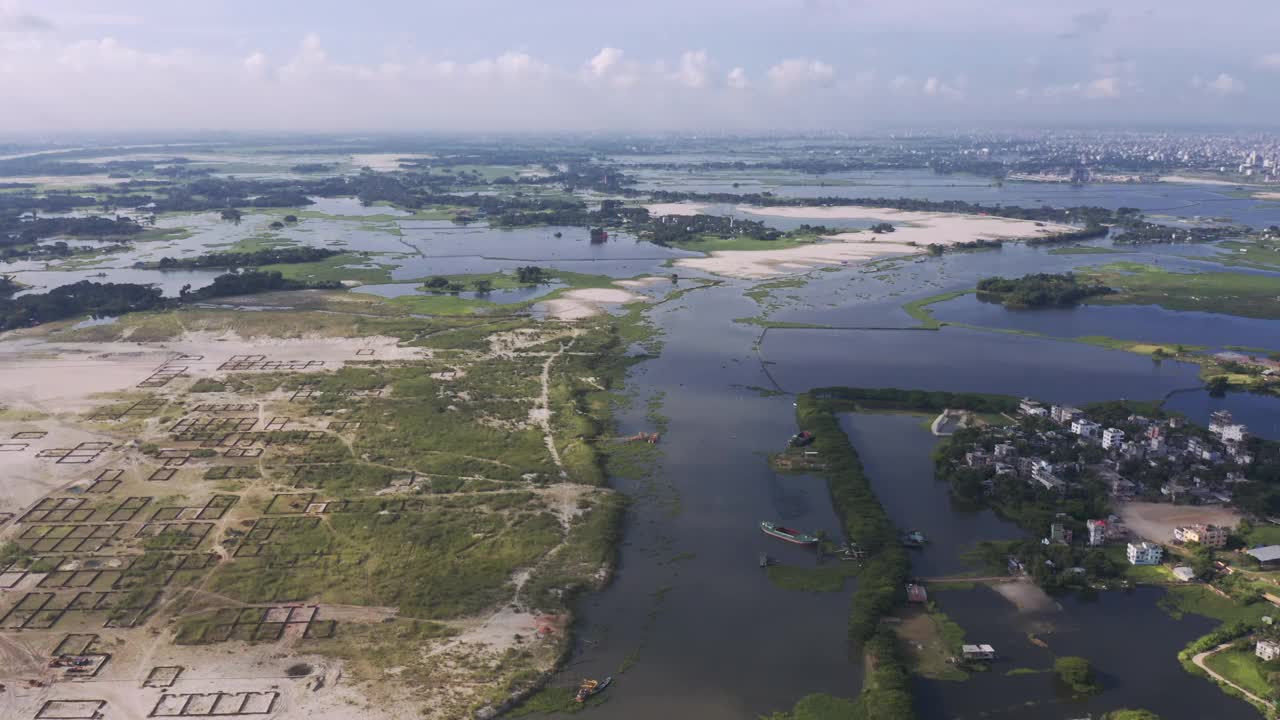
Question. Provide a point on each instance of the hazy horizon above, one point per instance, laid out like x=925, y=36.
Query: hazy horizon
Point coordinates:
x=715, y=66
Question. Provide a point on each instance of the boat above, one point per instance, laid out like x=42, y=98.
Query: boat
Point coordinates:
x=802, y=438
x=591, y=688
x=913, y=539
x=788, y=534
x=765, y=560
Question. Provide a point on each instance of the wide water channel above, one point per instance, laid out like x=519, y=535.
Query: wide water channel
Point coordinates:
x=692, y=627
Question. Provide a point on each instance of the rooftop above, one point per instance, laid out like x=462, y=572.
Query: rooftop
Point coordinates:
x=1268, y=553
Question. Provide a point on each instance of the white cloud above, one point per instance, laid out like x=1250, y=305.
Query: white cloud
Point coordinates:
x=1225, y=84
x=604, y=61
x=1103, y=87
x=798, y=73
x=737, y=79
x=1270, y=61
x=933, y=87
x=695, y=70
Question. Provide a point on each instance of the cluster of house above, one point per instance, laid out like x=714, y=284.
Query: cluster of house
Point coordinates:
x=1183, y=458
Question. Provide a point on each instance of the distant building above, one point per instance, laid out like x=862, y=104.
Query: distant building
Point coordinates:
x=1213, y=536
x=1064, y=414
x=1268, y=650
x=1268, y=555
x=1085, y=428
x=1112, y=437
x=1097, y=531
x=1043, y=473
x=1005, y=451
x=978, y=652
x=1144, y=553
x=1060, y=534
x=1219, y=419
x=917, y=593
x=1032, y=408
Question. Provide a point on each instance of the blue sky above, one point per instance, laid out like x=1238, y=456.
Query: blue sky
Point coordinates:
x=696, y=65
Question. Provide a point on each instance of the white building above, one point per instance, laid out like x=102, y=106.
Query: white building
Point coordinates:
x=1064, y=413
x=1268, y=650
x=1097, y=531
x=1112, y=437
x=1085, y=428
x=1145, y=553
x=1032, y=408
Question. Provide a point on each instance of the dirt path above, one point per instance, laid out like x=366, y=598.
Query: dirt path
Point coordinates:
x=541, y=412
x=1199, y=661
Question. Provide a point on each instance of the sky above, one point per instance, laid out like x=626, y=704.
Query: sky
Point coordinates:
x=635, y=66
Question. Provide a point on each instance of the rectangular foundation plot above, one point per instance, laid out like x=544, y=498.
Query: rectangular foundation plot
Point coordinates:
x=76, y=644
x=163, y=474
x=128, y=509
x=169, y=706
x=162, y=676
x=71, y=710
x=13, y=447
x=30, y=435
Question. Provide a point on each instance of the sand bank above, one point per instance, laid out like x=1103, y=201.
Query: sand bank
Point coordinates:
x=1198, y=181
x=676, y=208
x=913, y=231
x=1270, y=195
x=579, y=304
x=1156, y=521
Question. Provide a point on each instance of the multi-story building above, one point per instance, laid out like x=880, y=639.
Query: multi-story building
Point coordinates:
x=1268, y=650
x=1209, y=535
x=1144, y=553
x=1112, y=437
x=1097, y=531
x=1085, y=428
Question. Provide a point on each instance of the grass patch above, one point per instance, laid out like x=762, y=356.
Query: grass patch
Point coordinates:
x=1084, y=250
x=713, y=243
x=1245, y=295
x=919, y=309
x=347, y=266
x=1199, y=600
x=1242, y=667
x=823, y=578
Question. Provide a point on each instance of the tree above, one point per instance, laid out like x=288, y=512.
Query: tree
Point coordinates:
x=1077, y=674
x=438, y=283
x=1217, y=385
x=1131, y=715
x=482, y=286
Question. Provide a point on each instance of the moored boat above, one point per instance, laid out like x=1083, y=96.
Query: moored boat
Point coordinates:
x=788, y=534
x=914, y=539
x=591, y=688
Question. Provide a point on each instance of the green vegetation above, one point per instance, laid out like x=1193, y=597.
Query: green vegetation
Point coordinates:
x=266, y=256
x=715, y=243
x=1243, y=294
x=821, y=706
x=1038, y=290
x=1261, y=254
x=824, y=578
x=1084, y=250
x=1131, y=715
x=346, y=266
x=1242, y=667
x=1076, y=674
x=918, y=309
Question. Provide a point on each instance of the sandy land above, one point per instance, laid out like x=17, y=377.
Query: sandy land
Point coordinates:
x=1199, y=181
x=914, y=230
x=1156, y=521
x=1026, y=595
x=584, y=303
x=1267, y=195
x=385, y=162
x=65, y=181
x=50, y=387
x=640, y=283
x=676, y=208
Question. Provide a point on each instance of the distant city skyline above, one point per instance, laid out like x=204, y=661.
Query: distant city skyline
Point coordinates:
x=710, y=66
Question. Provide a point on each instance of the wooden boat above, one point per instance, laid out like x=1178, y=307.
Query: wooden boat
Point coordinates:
x=591, y=688
x=788, y=534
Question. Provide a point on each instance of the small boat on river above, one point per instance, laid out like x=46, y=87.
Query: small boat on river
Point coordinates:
x=914, y=539
x=591, y=688
x=788, y=534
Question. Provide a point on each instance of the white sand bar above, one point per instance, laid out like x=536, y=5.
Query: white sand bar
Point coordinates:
x=583, y=303
x=913, y=232
x=675, y=208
